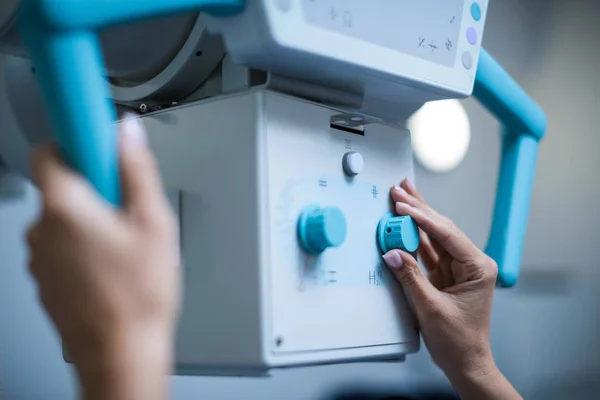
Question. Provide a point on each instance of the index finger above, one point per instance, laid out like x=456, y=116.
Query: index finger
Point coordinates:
x=440, y=228
x=412, y=190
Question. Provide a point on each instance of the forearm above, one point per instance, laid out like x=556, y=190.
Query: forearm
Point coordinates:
x=129, y=370
x=486, y=385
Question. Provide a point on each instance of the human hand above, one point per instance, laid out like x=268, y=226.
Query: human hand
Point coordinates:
x=109, y=278
x=453, y=306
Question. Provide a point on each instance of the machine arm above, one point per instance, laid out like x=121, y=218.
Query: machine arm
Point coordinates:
x=524, y=124
x=64, y=45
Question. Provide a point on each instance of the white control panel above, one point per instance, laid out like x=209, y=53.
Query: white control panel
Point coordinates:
x=427, y=29
x=392, y=52
x=318, y=299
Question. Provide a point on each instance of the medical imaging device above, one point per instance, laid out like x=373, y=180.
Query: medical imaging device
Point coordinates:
x=279, y=126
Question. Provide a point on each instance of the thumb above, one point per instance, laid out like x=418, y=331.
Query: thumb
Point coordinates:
x=141, y=182
x=416, y=285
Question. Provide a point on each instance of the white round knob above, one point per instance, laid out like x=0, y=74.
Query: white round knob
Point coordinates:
x=353, y=163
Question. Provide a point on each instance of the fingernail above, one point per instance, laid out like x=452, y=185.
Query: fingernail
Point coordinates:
x=393, y=260
x=410, y=185
x=401, y=191
x=133, y=131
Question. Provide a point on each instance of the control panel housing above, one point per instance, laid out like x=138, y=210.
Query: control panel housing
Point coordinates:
x=255, y=299
x=390, y=51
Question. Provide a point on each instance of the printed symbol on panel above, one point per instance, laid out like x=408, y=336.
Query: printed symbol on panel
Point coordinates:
x=381, y=276
x=333, y=14
x=323, y=183
x=331, y=275
x=449, y=44
x=422, y=42
x=376, y=278
x=432, y=46
x=348, y=19
x=374, y=191
x=348, y=144
x=453, y=19
x=373, y=279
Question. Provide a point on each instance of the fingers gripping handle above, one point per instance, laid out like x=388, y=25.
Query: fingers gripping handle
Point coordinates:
x=525, y=125
x=70, y=68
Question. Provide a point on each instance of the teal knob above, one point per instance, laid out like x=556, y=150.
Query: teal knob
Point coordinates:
x=321, y=228
x=397, y=233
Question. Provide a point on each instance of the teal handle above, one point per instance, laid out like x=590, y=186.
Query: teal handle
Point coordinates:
x=525, y=126
x=515, y=184
x=65, y=49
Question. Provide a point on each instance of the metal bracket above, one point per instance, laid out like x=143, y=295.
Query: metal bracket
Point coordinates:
x=353, y=122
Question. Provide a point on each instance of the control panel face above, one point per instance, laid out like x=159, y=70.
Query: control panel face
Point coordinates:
x=375, y=47
x=328, y=190
x=427, y=29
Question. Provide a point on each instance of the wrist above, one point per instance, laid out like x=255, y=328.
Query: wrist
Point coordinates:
x=130, y=365
x=477, y=375
x=484, y=383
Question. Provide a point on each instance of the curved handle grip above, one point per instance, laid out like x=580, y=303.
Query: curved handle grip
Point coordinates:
x=517, y=172
x=525, y=125
x=66, y=52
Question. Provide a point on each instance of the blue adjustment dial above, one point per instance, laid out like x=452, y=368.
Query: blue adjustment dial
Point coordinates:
x=321, y=228
x=397, y=233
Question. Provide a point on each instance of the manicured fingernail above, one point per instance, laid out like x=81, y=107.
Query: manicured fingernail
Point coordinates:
x=400, y=190
x=393, y=260
x=134, y=132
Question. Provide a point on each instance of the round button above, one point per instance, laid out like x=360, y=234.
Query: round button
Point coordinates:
x=472, y=35
x=397, y=233
x=467, y=60
x=476, y=11
x=321, y=228
x=353, y=163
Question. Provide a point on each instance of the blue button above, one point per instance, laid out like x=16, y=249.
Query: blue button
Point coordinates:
x=476, y=11
x=472, y=35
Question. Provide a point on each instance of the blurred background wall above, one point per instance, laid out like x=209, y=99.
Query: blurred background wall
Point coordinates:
x=545, y=332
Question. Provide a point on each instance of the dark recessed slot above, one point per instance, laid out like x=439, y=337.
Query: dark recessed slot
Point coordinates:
x=355, y=130
x=258, y=78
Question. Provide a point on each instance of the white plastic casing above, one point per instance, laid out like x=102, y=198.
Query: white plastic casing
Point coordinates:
x=380, y=53
x=254, y=300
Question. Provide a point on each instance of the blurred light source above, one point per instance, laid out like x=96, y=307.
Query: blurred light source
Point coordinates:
x=441, y=134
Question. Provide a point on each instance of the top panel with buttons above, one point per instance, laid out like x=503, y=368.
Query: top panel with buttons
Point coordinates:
x=411, y=43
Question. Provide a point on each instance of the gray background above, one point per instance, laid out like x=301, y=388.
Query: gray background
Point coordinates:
x=544, y=332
